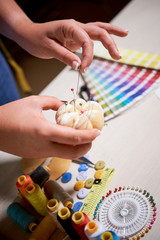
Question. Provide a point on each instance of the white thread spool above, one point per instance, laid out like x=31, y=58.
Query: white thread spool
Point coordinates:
x=94, y=229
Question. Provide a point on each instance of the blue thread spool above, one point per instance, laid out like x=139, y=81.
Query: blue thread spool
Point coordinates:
x=108, y=235
x=20, y=216
x=40, y=175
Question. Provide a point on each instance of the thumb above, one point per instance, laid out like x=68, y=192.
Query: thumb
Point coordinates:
x=48, y=102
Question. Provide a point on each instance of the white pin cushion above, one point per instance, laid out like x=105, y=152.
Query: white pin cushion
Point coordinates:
x=80, y=114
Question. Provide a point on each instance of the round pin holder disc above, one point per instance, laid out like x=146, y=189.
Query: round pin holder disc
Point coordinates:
x=127, y=212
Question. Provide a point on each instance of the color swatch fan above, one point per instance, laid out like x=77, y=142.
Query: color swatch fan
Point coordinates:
x=116, y=86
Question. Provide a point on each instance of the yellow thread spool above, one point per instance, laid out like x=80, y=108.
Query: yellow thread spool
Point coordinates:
x=45, y=229
x=78, y=217
x=22, y=179
x=92, y=227
x=64, y=213
x=32, y=226
x=68, y=204
x=47, y=168
x=107, y=236
x=53, y=205
x=37, y=198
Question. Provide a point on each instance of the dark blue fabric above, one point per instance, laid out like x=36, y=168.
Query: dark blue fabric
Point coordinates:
x=8, y=88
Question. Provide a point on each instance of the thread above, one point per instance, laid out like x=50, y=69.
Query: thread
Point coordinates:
x=37, y=198
x=40, y=175
x=45, y=229
x=54, y=190
x=64, y=218
x=94, y=229
x=53, y=206
x=79, y=221
x=108, y=235
x=21, y=217
x=22, y=182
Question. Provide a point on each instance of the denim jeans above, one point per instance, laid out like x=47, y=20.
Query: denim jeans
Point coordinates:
x=8, y=88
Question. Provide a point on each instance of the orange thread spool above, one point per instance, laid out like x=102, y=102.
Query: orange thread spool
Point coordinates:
x=22, y=182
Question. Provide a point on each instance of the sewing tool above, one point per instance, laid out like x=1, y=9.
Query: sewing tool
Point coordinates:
x=64, y=217
x=79, y=72
x=22, y=182
x=21, y=217
x=79, y=221
x=37, y=198
x=93, y=230
x=96, y=192
x=45, y=229
x=117, y=86
x=40, y=175
x=84, y=159
x=54, y=190
x=129, y=212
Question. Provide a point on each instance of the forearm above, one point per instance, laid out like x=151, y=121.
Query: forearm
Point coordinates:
x=13, y=21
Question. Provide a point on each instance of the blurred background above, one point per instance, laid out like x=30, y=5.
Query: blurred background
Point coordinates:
x=39, y=72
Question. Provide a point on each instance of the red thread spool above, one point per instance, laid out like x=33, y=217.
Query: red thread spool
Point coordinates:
x=79, y=221
x=22, y=182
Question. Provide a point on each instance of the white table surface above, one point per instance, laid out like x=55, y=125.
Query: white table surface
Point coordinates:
x=130, y=143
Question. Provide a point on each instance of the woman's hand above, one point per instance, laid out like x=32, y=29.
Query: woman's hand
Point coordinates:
x=59, y=39
x=25, y=132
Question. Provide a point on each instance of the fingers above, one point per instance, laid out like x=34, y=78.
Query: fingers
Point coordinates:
x=112, y=29
x=68, y=152
x=46, y=102
x=102, y=35
x=101, y=32
x=68, y=135
x=73, y=32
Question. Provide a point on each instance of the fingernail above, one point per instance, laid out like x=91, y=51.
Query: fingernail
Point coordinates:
x=85, y=70
x=98, y=133
x=116, y=50
x=75, y=65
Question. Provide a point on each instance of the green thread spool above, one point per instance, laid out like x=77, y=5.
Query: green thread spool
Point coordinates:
x=21, y=217
x=45, y=229
x=37, y=198
x=54, y=190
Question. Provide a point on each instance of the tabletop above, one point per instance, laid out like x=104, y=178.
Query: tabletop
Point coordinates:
x=129, y=143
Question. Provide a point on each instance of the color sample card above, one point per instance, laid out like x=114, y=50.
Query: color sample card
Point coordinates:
x=117, y=86
x=131, y=57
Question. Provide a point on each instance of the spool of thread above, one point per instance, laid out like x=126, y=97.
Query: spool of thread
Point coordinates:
x=37, y=198
x=108, y=235
x=64, y=217
x=79, y=221
x=22, y=182
x=21, y=217
x=45, y=229
x=93, y=230
x=54, y=190
x=40, y=175
x=53, y=206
